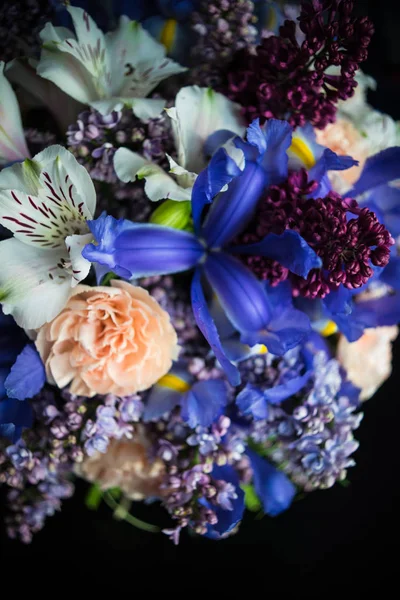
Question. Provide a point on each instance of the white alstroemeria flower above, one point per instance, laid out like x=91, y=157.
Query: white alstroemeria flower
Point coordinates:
x=198, y=113
x=12, y=139
x=45, y=203
x=106, y=71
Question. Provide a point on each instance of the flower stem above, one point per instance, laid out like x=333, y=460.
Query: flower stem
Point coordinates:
x=121, y=512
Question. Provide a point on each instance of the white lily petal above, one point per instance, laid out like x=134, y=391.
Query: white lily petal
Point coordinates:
x=40, y=91
x=159, y=185
x=33, y=289
x=198, y=113
x=80, y=266
x=60, y=199
x=12, y=139
x=184, y=178
x=138, y=61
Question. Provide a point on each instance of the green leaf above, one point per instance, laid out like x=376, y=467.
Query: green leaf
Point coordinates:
x=251, y=499
x=108, y=277
x=173, y=214
x=94, y=497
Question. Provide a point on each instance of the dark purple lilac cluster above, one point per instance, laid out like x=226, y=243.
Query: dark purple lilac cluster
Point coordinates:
x=287, y=80
x=347, y=246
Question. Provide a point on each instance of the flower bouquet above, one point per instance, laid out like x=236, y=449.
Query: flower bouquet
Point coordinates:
x=199, y=255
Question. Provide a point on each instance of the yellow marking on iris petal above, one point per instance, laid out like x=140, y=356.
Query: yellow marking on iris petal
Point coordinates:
x=271, y=19
x=263, y=349
x=174, y=383
x=167, y=37
x=300, y=149
x=329, y=329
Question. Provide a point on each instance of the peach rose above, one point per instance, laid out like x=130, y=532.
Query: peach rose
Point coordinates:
x=368, y=361
x=126, y=465
x=344, y=139
x=108, y=340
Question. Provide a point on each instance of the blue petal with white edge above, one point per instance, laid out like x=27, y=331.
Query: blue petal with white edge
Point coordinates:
x=232, y=210
x=242, y=296
x=378, y=170
x=227, y=519
x=278, y=138
x=141, y=250
x=27, y=375
x=204, y=403
x=216, y=140
x=207, y=327
x=221, y=170
x=273, y=487
x=289, y=249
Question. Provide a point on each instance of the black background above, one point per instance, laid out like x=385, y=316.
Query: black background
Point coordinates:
x=340, y=534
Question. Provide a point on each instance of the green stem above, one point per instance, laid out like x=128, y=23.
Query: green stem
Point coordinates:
x=121, y=512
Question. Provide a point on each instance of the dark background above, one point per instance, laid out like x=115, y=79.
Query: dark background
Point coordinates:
x=339, y=533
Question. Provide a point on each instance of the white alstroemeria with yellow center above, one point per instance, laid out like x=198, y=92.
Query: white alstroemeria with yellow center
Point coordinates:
x=106, y=71
x=12, y=139
x=197, y=114
x=45, y=202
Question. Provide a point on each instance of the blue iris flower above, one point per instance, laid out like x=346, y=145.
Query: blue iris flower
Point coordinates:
x=22, y=376
x=137, y=250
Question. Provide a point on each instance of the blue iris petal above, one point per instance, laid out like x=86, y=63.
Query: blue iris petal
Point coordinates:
x=329, y=161
x=272, y=486
x=278, y=137
x=242, y=296
x=385, y=202
x=227, y=519
x=216, y=140
x=136, y=250
x=27, y=375
x=209, y=330
x=391, y=273
x=289, y=249
x=378, y=170
x=204, y=403
x=221, y=170
x=15, y=413
x=232, y=210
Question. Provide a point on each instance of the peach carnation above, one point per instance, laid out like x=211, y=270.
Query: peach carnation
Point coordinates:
x=108, y=340
x=344, y=139
x=126, y=465
x=368, y=361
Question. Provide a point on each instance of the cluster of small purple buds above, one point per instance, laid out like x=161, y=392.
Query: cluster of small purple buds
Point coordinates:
x=347, y=246
x=285, y=79
x=113, y=420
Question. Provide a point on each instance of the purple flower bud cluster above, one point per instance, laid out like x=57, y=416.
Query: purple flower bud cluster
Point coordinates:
x=223, y=27
x=347, y=246
x=20, y=24
x=39, y=140
x=95, y=138
x=287, y=80
x=310, y=436
x=113, y=420
x=37, y=467
x=191, y=493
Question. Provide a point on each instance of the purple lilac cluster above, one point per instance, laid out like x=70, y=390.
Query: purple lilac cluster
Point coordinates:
x=20, y=24
x=113, y=420
x=37, y=468
x=310, y=436
x=223, y=27
x=95, y=138
x=347, y=246
x=193, y=494
x=285, y=79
